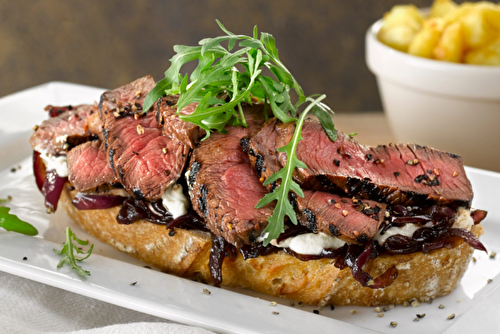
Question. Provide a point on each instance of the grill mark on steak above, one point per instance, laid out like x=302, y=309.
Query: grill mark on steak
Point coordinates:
x=88, y=166
x=223, y=186
x=379, y=173
x=143, y=160
x=166, y=115
x=65, y=122
x=351, y=220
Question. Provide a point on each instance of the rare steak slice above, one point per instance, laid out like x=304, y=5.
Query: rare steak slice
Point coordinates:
x=63, y=130
x=223, y=186
x=143, y=160
x=166, y=114
x=395, y=174
x=88, y=166
x=354, y=221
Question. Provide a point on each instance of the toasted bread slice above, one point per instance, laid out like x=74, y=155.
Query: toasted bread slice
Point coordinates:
x=317, y=282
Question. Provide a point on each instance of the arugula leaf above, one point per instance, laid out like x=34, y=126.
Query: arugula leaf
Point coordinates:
x=184, y=55
x=280, y=194
x=218, y=74
x=324, y=115
x=68, y=252
x=227, y=77
x=12, y=223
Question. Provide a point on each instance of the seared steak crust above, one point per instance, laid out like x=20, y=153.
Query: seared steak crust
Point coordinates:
x=223, y=186
x=65, y=126
x=394, y=174
x=166, y=115
x=352, y=220
x=143, y=160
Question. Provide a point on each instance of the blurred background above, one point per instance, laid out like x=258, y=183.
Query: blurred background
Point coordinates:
x=110, y=43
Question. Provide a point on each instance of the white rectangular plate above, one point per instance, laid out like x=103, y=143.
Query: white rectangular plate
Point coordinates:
x=475, y=303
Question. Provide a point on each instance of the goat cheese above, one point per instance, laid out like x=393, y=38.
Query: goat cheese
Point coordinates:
x=174, y=201
x=59, y=164
x=310, y=243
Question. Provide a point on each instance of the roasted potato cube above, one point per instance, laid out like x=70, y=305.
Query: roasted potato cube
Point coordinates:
x=488, y=55
x=478, y=31
x=450, y=46
x=492, y=16
x=400, y=26
x=426, y=40
x=441, y=8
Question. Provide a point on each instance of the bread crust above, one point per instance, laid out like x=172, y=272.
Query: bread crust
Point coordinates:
x=317, y=282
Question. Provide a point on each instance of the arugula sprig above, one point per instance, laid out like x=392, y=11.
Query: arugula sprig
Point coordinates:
x=223, y=80
x=280, y=194
x=12, y=223
x=68, y=252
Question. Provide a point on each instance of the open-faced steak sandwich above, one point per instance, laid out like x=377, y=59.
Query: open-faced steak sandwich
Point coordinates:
x=152, y=177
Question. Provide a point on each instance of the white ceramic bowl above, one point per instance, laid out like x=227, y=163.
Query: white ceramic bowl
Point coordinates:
x=452, y=107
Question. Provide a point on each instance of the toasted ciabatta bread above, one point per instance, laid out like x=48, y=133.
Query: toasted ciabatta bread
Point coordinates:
x=317, y=282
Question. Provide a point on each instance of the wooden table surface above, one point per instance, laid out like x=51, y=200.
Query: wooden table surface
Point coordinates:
x=372, y=127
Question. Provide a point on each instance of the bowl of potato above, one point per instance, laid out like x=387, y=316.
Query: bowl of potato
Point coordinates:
x=438, y=73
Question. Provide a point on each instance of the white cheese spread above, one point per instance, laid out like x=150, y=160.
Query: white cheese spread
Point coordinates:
x=174, y=201
x=310, y=243
x=59, y=164
x=406, y=230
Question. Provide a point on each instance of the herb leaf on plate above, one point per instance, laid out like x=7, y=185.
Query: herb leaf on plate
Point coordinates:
x=12, y=223
x=68, y=250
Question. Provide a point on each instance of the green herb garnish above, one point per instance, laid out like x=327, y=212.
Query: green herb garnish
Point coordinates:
x=223, y=80
x=280, y=194
x=12, y=223
x=68, y=252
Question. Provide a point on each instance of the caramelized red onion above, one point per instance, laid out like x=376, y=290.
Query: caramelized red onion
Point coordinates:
x=427, y=239
x=96, y=202
x=400, y=244
x=468, y=237
x=134, y=209
x=356, y=260
x=38, y=170
x=189, y=221
x=478, y=216
x=48, y=182
x=220, y=249
x=52, y=188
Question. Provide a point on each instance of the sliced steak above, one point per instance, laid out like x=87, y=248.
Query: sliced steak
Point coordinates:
x=94, y=125
x=395, y=174
x=143, y=160
x=88, y=166
x=66, y=126
x=223, y=186
x=352, y=220
x=166, y=114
